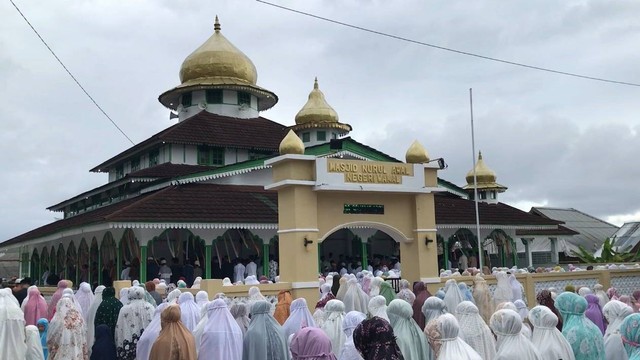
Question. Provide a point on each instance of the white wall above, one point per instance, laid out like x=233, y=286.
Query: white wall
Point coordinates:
x=229, y=107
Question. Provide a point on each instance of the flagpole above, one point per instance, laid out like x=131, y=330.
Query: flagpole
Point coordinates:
x=475, y=185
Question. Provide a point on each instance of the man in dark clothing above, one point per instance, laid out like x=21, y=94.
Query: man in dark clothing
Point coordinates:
x=216, y=269
x=187, y=272
x=151, y=289
x=176, y=270
x=152, y=268
x=227, y=268
x=20, y=290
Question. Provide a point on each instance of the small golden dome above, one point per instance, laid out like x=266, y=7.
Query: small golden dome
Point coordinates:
x=316, y=110
x=291, y=144
x=416, y=154
x=483, y=173
x=218, y=58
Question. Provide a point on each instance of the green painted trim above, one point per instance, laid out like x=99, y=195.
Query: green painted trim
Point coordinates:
x=207, y=259
x=265, y=259
x=118, y=264
x=365, y=256
x=445, y=252
x=99, y=267
x=143, y=264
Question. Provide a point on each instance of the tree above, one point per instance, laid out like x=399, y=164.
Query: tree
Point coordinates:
x=610, y=254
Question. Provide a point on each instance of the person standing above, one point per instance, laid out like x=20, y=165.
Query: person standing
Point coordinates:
x=153, y=270
x=197, y=270
x=124, y=275
x=251, y=268
x=20, y=290
x=273, y=268
x=176, y=270
x=238, y=271
x=165, y=271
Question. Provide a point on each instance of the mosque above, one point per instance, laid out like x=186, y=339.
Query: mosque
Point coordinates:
x=226, y=183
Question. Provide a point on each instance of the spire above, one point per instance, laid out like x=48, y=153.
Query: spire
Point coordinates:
x=216, y=25
x=416, y=154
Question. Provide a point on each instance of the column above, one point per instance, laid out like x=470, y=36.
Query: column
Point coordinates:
x=265, y=258
x=365, y=261
x=527, y=249
x=554, y=250
x=207, y=260
x=118, y=263
x=143, y=264
x=419, y=258
x=445, y=253
x=99, y=267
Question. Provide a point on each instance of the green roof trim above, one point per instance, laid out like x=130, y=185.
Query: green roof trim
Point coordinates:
x=223, y=169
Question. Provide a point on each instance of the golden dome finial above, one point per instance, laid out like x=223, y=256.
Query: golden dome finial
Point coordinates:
x=416, y=154
x=291, y=144
x=483, y=173
x=216, y=25
x=316, y=110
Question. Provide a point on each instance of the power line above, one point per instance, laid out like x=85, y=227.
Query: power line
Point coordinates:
x=70, y=74
x=396, y=37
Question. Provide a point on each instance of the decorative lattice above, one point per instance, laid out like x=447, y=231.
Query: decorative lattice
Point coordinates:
x=560, y=284
x=626, y=285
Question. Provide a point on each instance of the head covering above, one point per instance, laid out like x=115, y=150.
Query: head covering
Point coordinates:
x=615, y=312
x=349, y=324
x=240, y=312
x=503, y=291
x=190, y=311
x=387, y=291
x=24, y=302
x=311, y=344
x=355, y=299
x=626, y=299
x=84, y=298
x=264, y=339
x=598, y=290
x=283, y=306
x=332, y=325
x=34, y=347
x=378, y=307
x=66, y=338
x=335, y=287
x=150, y=334
x=174, y=342
x=594, y=312
x=366, y=283
x=326, y=295
x=511, y=344
x=410, y=337
x=630, y=334
x=173, y=296
x=11, y=327
x=343, y=287
x=202, y=298
x=103, y=348
x=442, y=334
x=132, y=321
x=421, y=292
x=374, y=287
x=405, y=293
x=612, y=293
x=516, y=288
x=466, y=293
x=43, y=336
x=545, y=298
x=546, y=337
x=62, y=284
x=124, y=296
x=375, y=340
x=91, y=316
x=584, y=336
x=452, y=295
x=475, y=331
x=482, y=297
x=522, y=309
x=181, y=284
x=432, y=308
x=222, y=337
x=584, y=291
x=35, y=307
x=300, y=317
x=196, y=282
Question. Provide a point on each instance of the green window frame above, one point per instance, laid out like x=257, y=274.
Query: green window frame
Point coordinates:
x=135, y=164
x=258, y=154
x=321, y=136
x=119, y=172
x=214, y=96
x=153, y=157
x=244, y=98
x=306, y=137
x=185, y=99
x=210, y=155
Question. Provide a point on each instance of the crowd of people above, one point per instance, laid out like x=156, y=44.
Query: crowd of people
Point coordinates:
x=356, y=317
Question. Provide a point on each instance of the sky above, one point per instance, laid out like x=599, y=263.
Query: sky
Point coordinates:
x=554, y=140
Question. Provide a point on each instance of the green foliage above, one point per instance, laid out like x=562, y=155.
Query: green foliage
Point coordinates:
x=610, y=254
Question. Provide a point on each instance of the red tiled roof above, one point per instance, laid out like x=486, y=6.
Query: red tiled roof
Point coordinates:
x=169, y=170
x=209, y=129
x=212, y=203
x=460, y=211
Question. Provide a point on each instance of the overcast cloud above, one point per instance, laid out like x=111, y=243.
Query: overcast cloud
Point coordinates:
x=553, y=140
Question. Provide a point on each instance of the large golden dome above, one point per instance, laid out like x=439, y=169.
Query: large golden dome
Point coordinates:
x=218, y=58
x=485, y=176
x=317, y=113
x=217, y=64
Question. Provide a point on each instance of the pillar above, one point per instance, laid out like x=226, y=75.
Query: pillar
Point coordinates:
x=207, y=259
x=265, y=258
x=143, y=264
x=365, y=255
x=445, y=253
x=118, y=263
x=99, y=267
x=527, y=250
x=420, y=259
